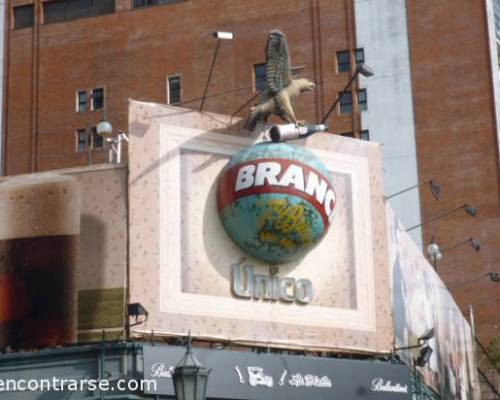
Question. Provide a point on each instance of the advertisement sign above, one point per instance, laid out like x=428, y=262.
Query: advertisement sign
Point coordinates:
x=238, y=239
x=247, y=375
x=422, y=302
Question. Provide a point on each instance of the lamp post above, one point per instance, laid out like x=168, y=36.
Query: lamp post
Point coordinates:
x=190, y=377
x=472, y=211
x=105, y=129
x=362, y=69
x=219, y=36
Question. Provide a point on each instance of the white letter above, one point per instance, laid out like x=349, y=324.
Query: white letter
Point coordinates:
x=294, y=175
x=314, y=185
x=245, y=177
x=267, y=171
x=329, y=204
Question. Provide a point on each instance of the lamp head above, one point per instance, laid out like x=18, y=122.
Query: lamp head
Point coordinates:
x=104, y=129
x=224, y=35
x=364, y=70
x=475, y=244
x=427, y=335
x=435, y=189
x=424, y=356
x=472, y=211
x=494, y=276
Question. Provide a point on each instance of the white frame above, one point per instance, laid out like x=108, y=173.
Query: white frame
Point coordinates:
x=173, y=139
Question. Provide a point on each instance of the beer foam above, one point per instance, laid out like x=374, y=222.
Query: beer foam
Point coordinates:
x=43, y=204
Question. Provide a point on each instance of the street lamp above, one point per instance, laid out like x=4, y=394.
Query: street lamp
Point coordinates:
x=219, y=35
x=437, y=254
x=469, y=209
x=433, y=186
x=105, y=129
x=190, y=377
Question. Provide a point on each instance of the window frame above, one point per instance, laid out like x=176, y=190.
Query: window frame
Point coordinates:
x=254, y=76
x=148, y=3
x=19, y=7
x=363, y=132
x=339, y=64
x=169, y=77
x=92, y=99
x=77, y=101
x=359, y=60
x=347, y=134
x=341, y=104
x=77, y=140
x=362, y=104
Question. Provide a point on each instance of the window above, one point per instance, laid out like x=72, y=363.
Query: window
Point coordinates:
x=360, y=56
x=362, y=100
x=345, y=102
x=97, y=98
x=97, y=140
x=343, y=61
x=67, y=10
x=364, y=134
x=24, y=16
x=81, y=140
x=174, y=89
x=260, y=77
x=147, y=3
x=81, y=101
x=347, y=134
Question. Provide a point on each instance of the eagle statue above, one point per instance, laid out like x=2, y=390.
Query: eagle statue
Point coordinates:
x=281, y=88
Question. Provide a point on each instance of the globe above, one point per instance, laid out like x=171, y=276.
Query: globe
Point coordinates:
x=275, y=201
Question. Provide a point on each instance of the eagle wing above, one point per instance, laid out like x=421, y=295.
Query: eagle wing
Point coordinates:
x=278, y=66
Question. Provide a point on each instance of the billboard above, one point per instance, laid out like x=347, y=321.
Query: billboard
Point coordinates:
x=190, y=274
x=421, y=302
x=248, y=375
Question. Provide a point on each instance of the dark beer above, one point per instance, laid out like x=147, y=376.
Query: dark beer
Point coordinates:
x=38, y=256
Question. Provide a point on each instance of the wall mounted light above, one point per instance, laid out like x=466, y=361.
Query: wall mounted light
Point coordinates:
x=469, y=209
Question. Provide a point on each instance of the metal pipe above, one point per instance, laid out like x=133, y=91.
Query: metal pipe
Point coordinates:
x=436, y=217
x=210, y=74
x=323, y=120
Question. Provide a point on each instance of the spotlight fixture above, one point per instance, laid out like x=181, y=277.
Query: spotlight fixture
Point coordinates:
x=472, y=211
x=220, y=36
x=422, y=339
x=493, y=276
x=224, y=35
x=433, y=186
x=437, y=254
x=427, y=335
x=362, y=69
x=137, y=310
x=424, y=356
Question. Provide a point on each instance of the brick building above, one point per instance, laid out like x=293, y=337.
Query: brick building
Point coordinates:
x=433, y=102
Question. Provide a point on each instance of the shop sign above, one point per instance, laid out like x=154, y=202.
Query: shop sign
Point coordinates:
x=247, y=375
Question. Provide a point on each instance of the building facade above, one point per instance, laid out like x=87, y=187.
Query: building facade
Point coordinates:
x=72, y=63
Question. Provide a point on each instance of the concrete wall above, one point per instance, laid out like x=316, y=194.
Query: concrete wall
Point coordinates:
x=381, y=29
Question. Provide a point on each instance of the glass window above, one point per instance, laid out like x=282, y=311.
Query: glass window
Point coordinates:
x=55, y=11
x=81, y=140
x=147, y=3
x=260, y=77
x=343, y=61
x=81, y=101
x=364, y=134
x=67, y=10
x=98, y=99
x=174, y=90
x=362, y=100
x=360, y=56
x=24, y=16
x=345, y=102
x=97, y=140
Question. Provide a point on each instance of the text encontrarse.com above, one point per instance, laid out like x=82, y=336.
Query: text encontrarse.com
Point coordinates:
x=75, y=385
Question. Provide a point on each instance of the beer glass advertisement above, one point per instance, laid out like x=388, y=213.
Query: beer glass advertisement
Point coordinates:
x=241, y=239
x=422, y=302
x=62, y=256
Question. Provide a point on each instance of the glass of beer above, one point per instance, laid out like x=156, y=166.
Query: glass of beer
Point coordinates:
x=39, y=240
